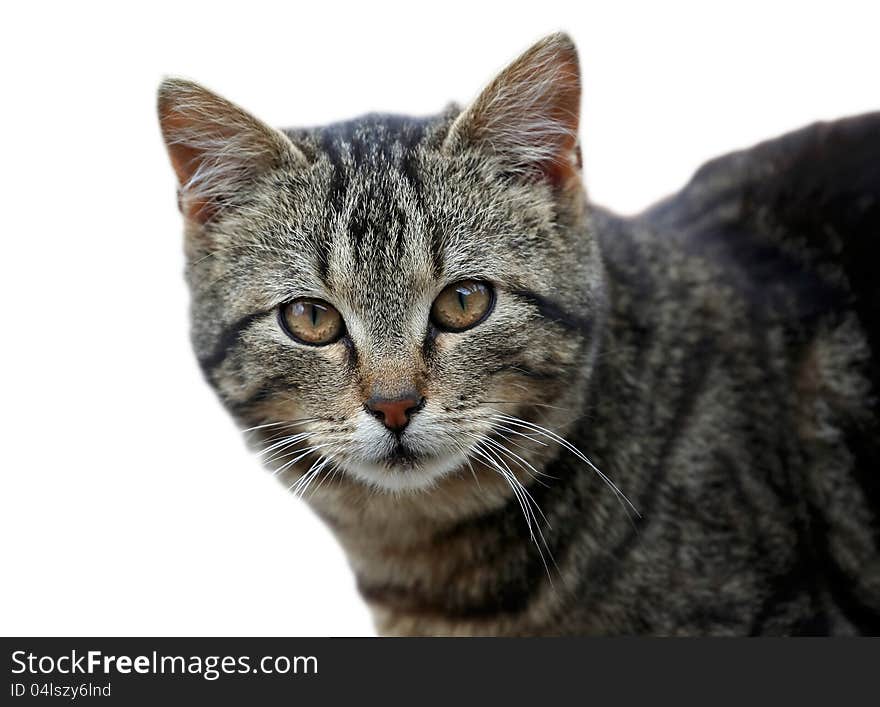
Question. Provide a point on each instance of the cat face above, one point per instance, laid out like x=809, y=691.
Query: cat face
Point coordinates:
x=375, y=296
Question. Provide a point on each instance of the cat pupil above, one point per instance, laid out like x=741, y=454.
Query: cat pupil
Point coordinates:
x=461, y=298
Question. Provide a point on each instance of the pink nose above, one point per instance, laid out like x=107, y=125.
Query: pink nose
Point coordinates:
x=395, y=413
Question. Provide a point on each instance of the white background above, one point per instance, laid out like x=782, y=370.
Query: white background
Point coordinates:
x=129, y=504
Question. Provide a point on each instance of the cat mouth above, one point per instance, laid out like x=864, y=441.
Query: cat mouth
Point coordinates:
x=403, y=468
x=403, y=457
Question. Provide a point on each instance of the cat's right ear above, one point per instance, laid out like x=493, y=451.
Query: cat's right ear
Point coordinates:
x=216, y=148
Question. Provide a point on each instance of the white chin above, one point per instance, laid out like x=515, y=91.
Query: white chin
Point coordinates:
x=420, y=476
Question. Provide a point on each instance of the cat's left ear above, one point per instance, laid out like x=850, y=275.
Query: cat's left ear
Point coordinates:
x=528, y=116
x=217, y=149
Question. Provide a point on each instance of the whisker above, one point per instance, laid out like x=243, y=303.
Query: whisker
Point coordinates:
x=467, y=459
x=302, y=453
x=522, y=463
x=510, y=420
x=525, y=403
x=524, y=489
x=483, y=453
x=301, y=484
x=283, y=444
x=520, y=434
x=333, y=469
x=525, y=500
x=285, y=423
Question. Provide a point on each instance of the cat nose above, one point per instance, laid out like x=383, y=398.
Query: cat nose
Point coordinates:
x=395, y=412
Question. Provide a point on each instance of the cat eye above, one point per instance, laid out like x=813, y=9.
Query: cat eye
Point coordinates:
x=311, y=321
x=462, y=305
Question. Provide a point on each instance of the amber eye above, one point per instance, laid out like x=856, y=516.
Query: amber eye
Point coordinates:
x=311, y=321
x=462, y=305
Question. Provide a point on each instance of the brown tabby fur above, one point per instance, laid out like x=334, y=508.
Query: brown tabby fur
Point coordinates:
x=716, y=357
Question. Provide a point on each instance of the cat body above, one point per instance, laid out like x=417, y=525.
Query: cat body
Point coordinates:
x=664, y=424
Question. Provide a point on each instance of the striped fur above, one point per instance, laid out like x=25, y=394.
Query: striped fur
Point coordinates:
x=714, y=359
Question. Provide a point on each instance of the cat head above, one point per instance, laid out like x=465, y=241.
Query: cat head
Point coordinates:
x=382, y=296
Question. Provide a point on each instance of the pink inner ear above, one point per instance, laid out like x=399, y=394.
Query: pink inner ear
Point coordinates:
x=563, y=166
x=215, y=147
x=557, y=103
x=185, y=160
x=528, y=116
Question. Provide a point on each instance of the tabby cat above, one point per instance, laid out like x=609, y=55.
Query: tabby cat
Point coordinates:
x=521, y=414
